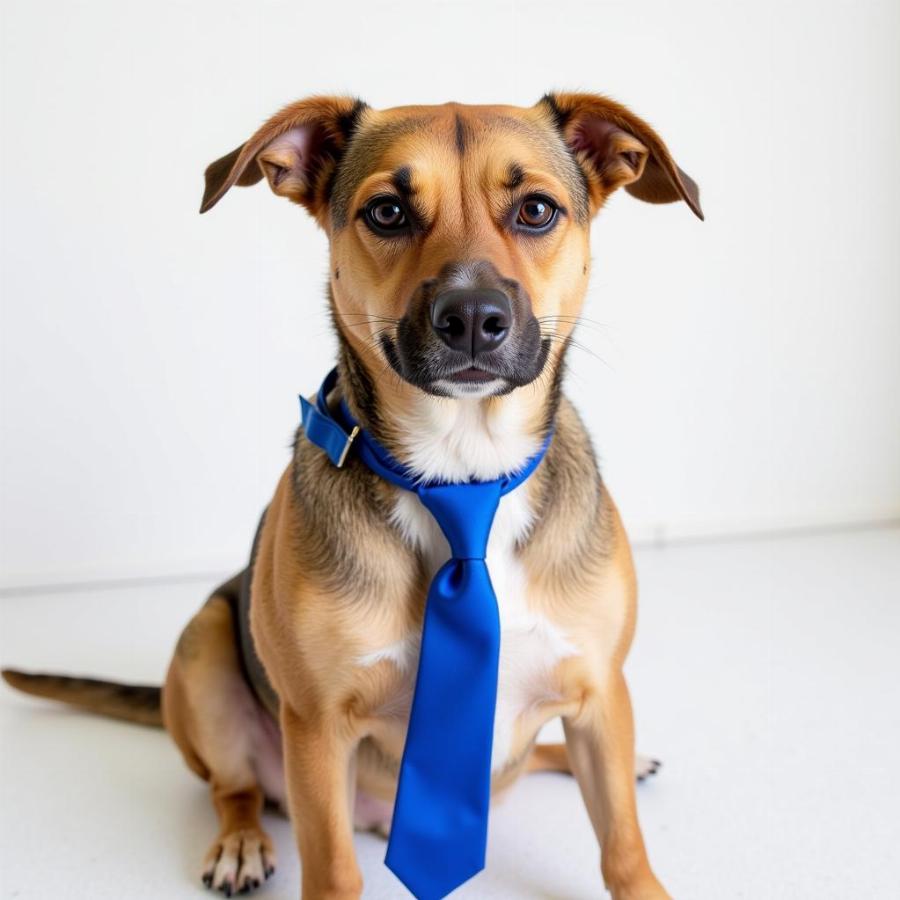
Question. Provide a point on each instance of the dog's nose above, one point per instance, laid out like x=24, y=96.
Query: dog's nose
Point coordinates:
x=471, y=320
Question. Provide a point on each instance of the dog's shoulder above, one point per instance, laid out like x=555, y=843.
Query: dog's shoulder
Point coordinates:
x=342, y=533
x=569, y=481
x=575, y=520
x=571, y=452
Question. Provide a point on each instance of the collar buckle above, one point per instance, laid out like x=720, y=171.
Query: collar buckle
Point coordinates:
x=349, y=442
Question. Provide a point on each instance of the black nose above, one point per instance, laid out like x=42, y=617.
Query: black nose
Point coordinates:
x=471, y=320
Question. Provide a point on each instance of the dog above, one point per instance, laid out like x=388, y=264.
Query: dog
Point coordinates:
x=294, y=680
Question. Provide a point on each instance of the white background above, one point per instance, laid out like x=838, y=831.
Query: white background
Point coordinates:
x=151, y=357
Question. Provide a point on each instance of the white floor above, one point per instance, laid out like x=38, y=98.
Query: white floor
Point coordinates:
x=765, y=675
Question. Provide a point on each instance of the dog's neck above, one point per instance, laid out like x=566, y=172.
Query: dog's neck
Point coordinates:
x=460, y=439
x=450, y=439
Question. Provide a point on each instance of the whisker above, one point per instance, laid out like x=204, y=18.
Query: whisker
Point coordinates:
x=579, y=322
x=341, y=315
x=390, y=323
x=553, y=336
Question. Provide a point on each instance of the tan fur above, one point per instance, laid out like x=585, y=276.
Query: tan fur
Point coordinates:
x=334, y=578
x=222, y=733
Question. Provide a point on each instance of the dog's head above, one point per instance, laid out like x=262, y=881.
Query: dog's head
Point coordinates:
x=459, y=234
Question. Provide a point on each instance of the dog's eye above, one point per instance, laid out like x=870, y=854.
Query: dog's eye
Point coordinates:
x=536, y=213
x=385, y=215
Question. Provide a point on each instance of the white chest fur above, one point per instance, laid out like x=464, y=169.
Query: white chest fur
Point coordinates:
x=531, y=645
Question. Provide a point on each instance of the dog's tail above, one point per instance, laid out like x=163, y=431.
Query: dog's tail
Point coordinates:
x=131, y=702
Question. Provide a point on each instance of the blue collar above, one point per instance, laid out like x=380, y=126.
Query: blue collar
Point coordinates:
x=337, y=434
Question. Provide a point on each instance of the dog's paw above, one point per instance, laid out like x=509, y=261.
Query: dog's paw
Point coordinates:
x=644, y=766
x=239, y=862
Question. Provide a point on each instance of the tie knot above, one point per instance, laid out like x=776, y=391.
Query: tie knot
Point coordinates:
x=465, y=513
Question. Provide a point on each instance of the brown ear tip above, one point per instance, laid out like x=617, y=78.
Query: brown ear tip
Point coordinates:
x=690, y=193
x=210, y=199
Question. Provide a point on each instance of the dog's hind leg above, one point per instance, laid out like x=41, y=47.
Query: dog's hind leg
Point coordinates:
x=555, y=758
x=549, y=758
x=221, y=729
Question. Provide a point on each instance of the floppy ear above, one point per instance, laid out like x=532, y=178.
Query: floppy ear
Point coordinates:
x=296, y=151
x=617, y=149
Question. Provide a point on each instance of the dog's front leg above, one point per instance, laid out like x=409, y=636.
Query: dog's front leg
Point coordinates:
x=600, y=744
x=319, y=751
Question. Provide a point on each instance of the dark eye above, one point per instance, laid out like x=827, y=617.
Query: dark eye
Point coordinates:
x=536, y=213
x=385, y=215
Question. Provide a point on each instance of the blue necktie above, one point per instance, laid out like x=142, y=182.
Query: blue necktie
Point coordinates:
x=439, y=829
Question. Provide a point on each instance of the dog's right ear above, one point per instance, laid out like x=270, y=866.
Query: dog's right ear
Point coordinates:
x=296, y=151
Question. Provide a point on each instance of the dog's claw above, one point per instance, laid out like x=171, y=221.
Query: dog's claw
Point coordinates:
x=237, y=862
x=645, y=766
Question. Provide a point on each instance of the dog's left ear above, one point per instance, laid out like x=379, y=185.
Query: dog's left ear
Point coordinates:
x=617, y=149
x=296, y=151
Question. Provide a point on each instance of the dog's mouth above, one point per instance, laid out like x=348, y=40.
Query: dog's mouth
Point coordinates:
x=472, y=375
x=436, y=371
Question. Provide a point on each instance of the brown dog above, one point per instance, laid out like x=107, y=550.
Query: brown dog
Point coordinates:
x=293, y=681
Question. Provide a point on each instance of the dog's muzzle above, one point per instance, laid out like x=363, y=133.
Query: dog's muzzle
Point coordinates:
x=469, y=330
